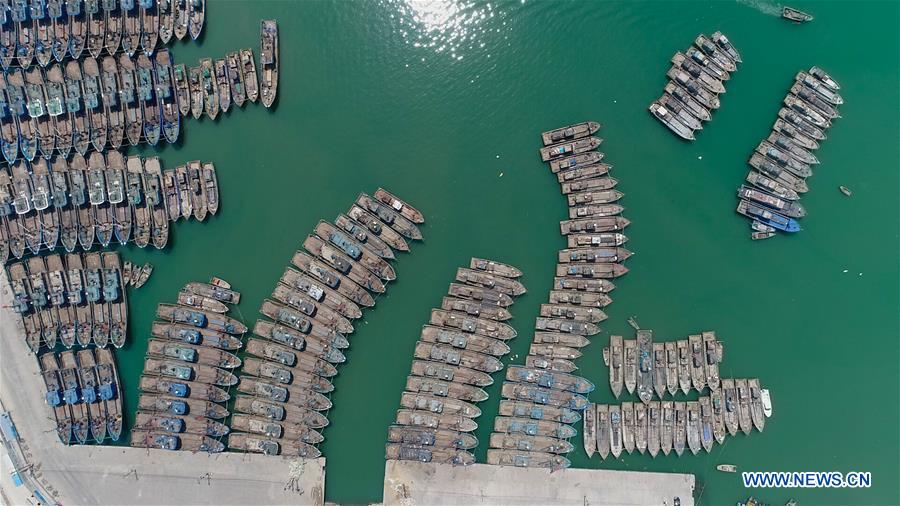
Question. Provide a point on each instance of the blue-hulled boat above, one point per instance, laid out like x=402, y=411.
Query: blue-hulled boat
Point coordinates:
x=777, y=221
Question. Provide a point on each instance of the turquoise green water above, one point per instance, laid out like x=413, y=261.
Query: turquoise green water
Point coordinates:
x=446, y=112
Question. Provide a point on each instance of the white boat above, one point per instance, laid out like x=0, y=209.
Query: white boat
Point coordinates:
x=766, y=402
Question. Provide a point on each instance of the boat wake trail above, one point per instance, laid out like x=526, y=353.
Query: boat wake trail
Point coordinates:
x=765, y=7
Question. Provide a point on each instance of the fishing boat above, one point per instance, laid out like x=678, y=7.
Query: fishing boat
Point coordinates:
x=679, y=436
x=134, y=190
x=431, y=437
x=298, y=395
x=615, y=434
x=195, y=84
x=660, y=369
x=570, y=133
x=182, y=370
x=597, y=240
x=712, y=351
x=149, y=26
x=802, y=122
x=602, y=430
x=155, y=202
x=181, y=17
x=548, y=379
x=463, y=341
x=322, y=314
x=180, y=424
x=541, y=395
x=570, y=148
x=792, y=148
x=772, y=219
x=114, y=296
x=248, y=69
x=481, y=326
x=169, y=441
x=81, y=127
x=654, y=425
x=756, y=404
x=55, y=89
x=68, y=214
x=378, y=228
x=361, y=234
x=192, y=335
x=113, y=16
x=722, y=41
x=721, y=58
x=532, y=427
x=165, y=9
x=196, y=17
x=680, y=112
x=148, y=98
x=590, y=184
x=731, y=405
x=250, y=443
x=269, y=60
x=795, y=15
x=693, y=426
x=43, y=29
x=395, y=451
x=576, y=161
x=543, y=444
x=320, y=293
x=727, y=468
x=34, y=92
x=183, y=184
x=25, y=29
x=706, y=424
x=200, y=319
x=235, y=79
x=76, y=26
x=708, y=65
x=266, y=427
x=463, y=392
x=813, y=99
x=745, y=419
x=131, y=37
x=117, y=196
x=826, y=90
x=794, y=134
x=92, y=100
x=182, y=388
x=209, y=87
x=56, y=398
x=41, y=196
x=87, y=375
x=281, y=412
x=351, y=270
x=585, y=270
x=182, y=88
x=8, y=38
x=165, y=93
x=223, y=84
x=630, y=364
x=589, y=430
x=40, y=300
x=181, y=406
x=583, y=172
x=172, y=194
x=194, y=355
x=65, y=316
x=695, y=88
x=332, y=279
x=200, y=302
x=77, y=299
x=196, y=190
x=79, y=413
x=616, y=362
x=667, y=427
x=644, y=355
x=18, y=104
x=9, y=134
x=806, y=112
x=717, y=403
x=480, y=278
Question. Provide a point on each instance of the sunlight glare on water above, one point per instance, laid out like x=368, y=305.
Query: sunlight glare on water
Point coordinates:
x=445, y=26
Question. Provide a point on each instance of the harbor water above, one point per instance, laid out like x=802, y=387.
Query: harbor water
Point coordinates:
x=442, y=103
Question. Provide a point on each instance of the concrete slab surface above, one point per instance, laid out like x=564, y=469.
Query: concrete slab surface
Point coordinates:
x=416, y=483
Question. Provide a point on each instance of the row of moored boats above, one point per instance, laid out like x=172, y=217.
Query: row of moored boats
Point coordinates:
x=740, y=405
x=188, y=366
x=71, y=299
x=84, y=394
x=696, y=79
x=455, y=357
x=646, y=367
x=42, y=31
x=213, y=86
x=783, y=161
x=298, y=344
x=81, y=202
x=100, y=104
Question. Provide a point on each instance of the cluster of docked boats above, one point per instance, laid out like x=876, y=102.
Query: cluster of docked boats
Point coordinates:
x=84, y=393
x=212, y=86
x=72, y=299
x=48, y=30
x=136, y=275
x=696, y=80
x=646, y=367
x=782, y=161
x=740, y=405
x=89, y=103
x=456, y=354
x=543, y=398
x=82, y=202
x=295, y=349
x=187, y=369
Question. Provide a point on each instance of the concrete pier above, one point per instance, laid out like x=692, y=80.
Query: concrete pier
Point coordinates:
x=123, y=475
x=416, y=483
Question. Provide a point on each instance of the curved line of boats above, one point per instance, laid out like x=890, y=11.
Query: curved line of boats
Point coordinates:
x=48, y=30
x=296, y=350
x=84, y=394
x=455, y=357
x=98, y=200
x=783, y=161
x=88, y=104
x=739, y=406
x=72, y=299
x=654, y=367
x=696, y=79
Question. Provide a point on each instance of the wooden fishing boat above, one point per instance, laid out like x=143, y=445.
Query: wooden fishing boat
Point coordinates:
x=269, y=60
x=248, y=69
x=195, y=84
x=54, y=397
x=55, y=89
x=437, y=404
x=437, y=438
x=256, y=444
x=375, y=226
x=168, y=441
x=223, y=84
x=200, y=355
x=209, y=87
x=332, y=279
x=298, y=395
x=165, y=9
x=266, y=427
x=476, y=309
x=200, y=319
x=196, y=190
x=280, y=412
x=166, y=94
x=149, y=26
x=196, y=17
x=236, y=79
x=68, y=372
x=396, y=451
x=182, y=89
x=182, y=388
x=386, y=214
x=87, y=377
x=797, y=16
x=480, y=278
